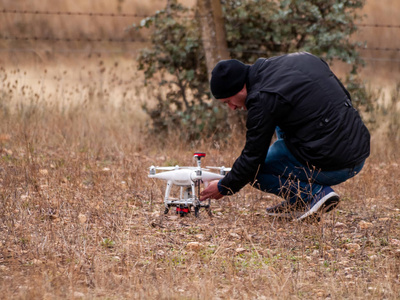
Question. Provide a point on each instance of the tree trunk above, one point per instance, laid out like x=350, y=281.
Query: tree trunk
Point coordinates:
x=212, y=32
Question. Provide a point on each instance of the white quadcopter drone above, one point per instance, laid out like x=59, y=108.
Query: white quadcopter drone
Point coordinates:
x=187, y=178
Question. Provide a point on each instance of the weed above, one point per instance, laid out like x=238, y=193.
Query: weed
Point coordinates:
x=107, y=243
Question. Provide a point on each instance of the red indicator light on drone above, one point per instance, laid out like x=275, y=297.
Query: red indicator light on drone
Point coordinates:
x=200, y=154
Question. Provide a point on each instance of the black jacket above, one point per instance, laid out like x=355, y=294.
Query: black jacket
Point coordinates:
x=300, y=94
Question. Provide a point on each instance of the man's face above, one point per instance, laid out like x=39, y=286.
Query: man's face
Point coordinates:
x=236, y=101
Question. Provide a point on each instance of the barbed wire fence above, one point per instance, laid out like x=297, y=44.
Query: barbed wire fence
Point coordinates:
x=142, y=40
x=53, y=43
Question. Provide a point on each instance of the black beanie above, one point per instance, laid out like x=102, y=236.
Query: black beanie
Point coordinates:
x=228, y=78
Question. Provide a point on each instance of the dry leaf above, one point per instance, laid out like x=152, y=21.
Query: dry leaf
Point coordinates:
x=234, y=235
x=352, y=246
x=365, y=225
x=339, y=225
x=240, y=250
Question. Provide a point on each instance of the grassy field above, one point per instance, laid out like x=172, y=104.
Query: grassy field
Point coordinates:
x=79, y=219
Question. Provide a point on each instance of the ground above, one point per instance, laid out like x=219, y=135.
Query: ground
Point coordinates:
x=91, y=225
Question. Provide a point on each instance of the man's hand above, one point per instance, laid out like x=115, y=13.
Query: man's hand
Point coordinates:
x=211, y=192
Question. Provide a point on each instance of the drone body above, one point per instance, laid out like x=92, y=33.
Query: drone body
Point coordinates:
x=187, y=178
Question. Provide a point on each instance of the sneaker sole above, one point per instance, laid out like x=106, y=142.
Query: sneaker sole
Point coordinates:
x=326, y=204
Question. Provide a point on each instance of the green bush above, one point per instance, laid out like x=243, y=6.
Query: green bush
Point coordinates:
x=265, y=27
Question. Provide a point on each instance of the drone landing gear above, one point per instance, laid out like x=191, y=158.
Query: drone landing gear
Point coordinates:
x=206, y=207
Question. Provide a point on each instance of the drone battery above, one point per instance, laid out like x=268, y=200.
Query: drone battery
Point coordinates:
x=182, y=209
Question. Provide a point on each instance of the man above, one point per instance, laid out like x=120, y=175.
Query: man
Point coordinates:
x=321, y=139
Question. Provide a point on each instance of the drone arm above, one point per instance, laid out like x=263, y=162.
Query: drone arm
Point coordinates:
x=167, y=192
x=193, y=190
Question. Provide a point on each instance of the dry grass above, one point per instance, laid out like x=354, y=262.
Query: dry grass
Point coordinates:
x=80, y=219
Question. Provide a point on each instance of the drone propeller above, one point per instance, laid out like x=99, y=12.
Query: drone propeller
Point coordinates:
x=175, y=168
x=220, y=168
x=165, y=168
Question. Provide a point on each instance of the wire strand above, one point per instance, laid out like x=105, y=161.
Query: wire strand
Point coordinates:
x=71, y=13
x=136, y=51
x=135, y=15
x=136, y=40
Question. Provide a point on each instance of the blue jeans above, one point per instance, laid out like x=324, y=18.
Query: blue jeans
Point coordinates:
x=283, y=175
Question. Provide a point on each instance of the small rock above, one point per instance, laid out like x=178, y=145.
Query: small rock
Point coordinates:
x=194, y=246
x=82, y=218
x=43, y=172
